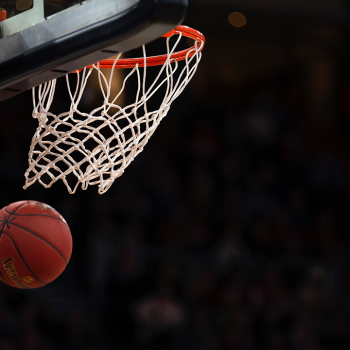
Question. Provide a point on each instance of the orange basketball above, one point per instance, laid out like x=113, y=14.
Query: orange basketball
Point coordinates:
x=35, y=244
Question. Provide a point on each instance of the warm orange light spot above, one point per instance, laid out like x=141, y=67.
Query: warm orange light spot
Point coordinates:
x=2, y=14
x=237, y=19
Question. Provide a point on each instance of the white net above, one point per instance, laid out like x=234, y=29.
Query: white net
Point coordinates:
x=94, y=148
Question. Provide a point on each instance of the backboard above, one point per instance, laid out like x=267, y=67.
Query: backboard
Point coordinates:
x=41, y=40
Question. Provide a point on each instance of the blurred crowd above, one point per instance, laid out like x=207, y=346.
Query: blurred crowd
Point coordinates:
x=229, y=232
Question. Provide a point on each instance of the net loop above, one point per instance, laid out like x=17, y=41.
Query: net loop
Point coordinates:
x=95, y=148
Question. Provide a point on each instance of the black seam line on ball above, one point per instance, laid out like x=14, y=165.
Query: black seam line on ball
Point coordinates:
x=5, y=223
x=49, y=216
x=19, y=253
x=44, y=240
x=2, y=275
x=7, y=220
x=53, y=217
x=22, y=205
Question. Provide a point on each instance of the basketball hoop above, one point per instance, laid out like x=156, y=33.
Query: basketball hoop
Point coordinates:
x=95, y=148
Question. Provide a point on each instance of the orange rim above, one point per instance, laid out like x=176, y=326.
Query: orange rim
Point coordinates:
x=160, y=60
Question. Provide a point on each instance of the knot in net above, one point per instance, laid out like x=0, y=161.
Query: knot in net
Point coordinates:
x=94, y=148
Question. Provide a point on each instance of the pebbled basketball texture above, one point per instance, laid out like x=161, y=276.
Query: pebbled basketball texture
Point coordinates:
x=35, y=244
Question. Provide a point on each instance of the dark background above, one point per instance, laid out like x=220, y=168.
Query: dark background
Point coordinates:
x=231, y=230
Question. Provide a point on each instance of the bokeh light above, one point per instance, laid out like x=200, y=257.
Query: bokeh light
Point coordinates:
x=237, y=19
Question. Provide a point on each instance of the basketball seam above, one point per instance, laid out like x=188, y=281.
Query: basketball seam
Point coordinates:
x=26, y=202
x=10, y=214
x=43, y=239
x=49, y=216
x=19, y=253
x=22, y=205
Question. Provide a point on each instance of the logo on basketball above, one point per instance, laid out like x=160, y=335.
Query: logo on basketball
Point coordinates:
x=9, y=266
x=27, y=279
x=42, y=206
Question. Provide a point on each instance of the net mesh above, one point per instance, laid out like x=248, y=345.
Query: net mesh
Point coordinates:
x=96, y=147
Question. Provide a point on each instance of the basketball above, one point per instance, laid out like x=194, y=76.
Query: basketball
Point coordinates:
x=35, y=244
